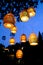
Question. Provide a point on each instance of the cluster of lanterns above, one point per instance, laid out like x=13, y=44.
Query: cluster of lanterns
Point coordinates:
x=9, y=22
x=33, y=39
x=26, y=14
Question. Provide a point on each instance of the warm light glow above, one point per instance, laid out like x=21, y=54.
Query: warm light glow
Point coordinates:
x=12, y=41
x=34, y=44
x=6, y=49
x=14, y=29
x=8, y=25
x=24, y=16
x=31, y=11
x=8, y=20
x=33, y=40
x=19, y=54
x=23, y=38
x=11, y=56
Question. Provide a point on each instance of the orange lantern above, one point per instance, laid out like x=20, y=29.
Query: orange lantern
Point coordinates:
x=24, y=16
x=23, y=38
x=33, y=40
x=12, y=41
x=19, y=54
x=9, y=20
x=13, y=29
x=31, y=11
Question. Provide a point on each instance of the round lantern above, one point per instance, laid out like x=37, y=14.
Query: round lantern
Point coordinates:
x=31, y=11
x=13, y=29
x=33, y=40
x=24, y=16
x=23, y=38
x=12, y=41
x=9, y=20
x=19, y=54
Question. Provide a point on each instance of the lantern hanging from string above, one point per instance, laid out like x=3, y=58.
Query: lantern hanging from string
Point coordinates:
x=13, y=29
x=23, y=38
x=9, y=20
x=12, y=41
x=19, y=53
x=33, y=40
x=24, y=16
x=31, y=11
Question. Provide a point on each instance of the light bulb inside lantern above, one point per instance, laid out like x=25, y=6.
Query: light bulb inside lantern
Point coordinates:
x=19, y=54
x=12, y=41
x=31, y=12
x=23, y=38
x=24, y=16
x=8, y=25
x=13, y=29
x=8, y=20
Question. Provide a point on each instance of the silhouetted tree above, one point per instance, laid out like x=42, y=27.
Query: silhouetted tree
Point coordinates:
x=40, y=39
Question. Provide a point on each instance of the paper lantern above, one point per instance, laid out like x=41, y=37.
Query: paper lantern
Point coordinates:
x=31, y=11
x=33, y=40
x=9, y=20
x=13, y=29
x=24, y=16
x=12, y=41
x=19, y=54
x=23, y=38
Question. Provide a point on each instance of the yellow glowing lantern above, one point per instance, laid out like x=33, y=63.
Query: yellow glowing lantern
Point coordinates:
x=31, y=11
x=14, y=29
x=9, y=20
x=23, y=38
x=33, y=40
x=12, y=41
x=24, y=16
x=19, y=54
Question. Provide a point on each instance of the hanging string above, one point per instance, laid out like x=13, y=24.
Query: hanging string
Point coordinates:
x=23, y=27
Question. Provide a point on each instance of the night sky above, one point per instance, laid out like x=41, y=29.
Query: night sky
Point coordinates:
x=34, y=24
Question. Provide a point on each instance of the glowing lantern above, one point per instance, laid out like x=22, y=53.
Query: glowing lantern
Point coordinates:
x=13, y=29
x=11, y=56
x=9, y=20
x=6, y=49
x=12, y=41
x=31, y=11
x=33, y=40
x=23, y=38
x=19, y=54
x=24, y=16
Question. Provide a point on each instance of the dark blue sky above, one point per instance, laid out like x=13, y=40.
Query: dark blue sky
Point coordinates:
x=34, y=24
